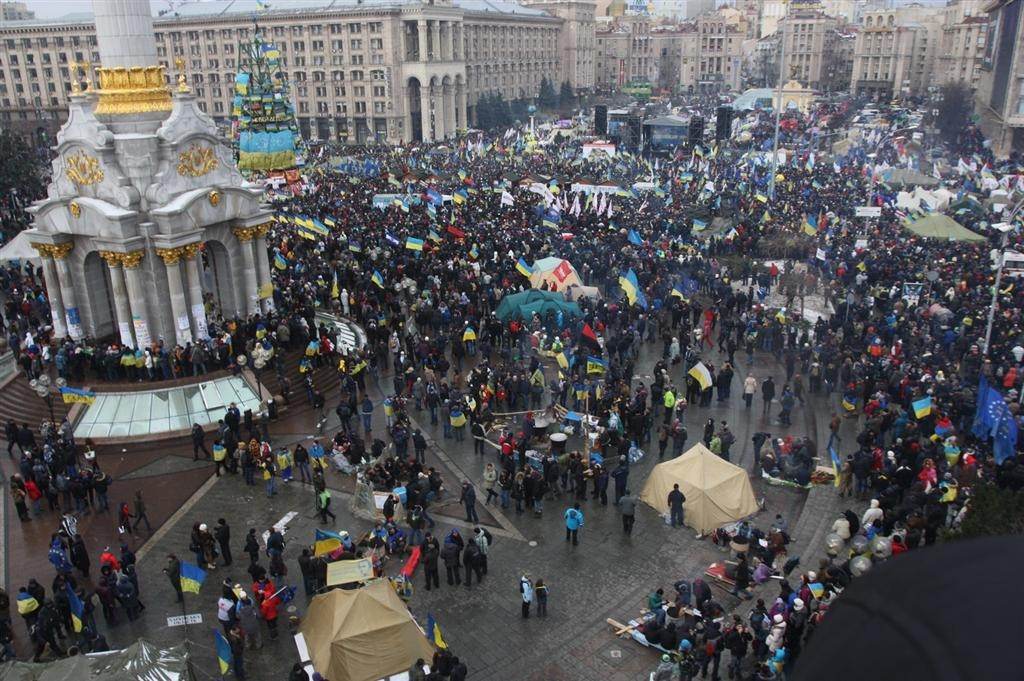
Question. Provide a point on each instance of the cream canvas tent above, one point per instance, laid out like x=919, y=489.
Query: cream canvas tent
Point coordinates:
x=362, y=635
x=716, y=491
x=558, y=274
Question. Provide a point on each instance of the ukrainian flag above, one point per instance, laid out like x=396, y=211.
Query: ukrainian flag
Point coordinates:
x=849, y=404
x=76, y=606
x=523, y=268
x=434, y=236
x=761, y=197
x=325, y=541
x=377, y=279
x=469, y=334
x=698, y=225
x=629, y=288
x=223, y=652
x=678, y=292
x=922, y=407
x=335, y=292
x=551, y=224
x=73, y=395
x=474, y=253
x=434, y=633
x=192, y=577
x=459, y=196
x=280, y=262
x=596, y=365
x=355, y=247
x=562, y=359
x=270, y=51
x=414, y=244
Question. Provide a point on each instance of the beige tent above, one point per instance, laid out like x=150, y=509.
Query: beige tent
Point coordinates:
x=717, y=492
x=362, y=635
x=558, y=274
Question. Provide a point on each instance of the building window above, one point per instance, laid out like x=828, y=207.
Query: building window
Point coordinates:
x=355, y=28
x=360, y=107
x=303, y=107
x=355, y=44
x=357, y=59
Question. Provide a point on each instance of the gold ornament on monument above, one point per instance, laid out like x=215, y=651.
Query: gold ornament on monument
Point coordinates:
x=214, y=197
x=76, y=210
x=83, y=169
x=179, y=64
x=138, y=89
x=196, y=161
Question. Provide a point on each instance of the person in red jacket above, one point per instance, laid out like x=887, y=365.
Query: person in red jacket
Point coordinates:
x=35, y=496
x=268, y=609
x=108, y=558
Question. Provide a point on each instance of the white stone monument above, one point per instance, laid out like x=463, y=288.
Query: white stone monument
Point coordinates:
x=146, y=217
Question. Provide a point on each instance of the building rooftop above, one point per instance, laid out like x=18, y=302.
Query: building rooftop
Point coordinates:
x=198, y=9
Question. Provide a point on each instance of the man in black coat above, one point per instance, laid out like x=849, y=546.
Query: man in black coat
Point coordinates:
x=222, y=533
x=430, y=552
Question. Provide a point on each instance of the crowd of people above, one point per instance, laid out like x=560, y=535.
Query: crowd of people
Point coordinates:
x=703, y=255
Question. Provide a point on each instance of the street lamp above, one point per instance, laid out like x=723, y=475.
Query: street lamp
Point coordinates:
x=42, y=387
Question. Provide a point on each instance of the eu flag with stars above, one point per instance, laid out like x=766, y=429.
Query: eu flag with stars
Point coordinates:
x=993, y=419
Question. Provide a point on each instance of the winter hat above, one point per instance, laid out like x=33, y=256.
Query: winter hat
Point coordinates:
x=811, y=576
x=798, y=604
x=202, y=527
x=777, y=619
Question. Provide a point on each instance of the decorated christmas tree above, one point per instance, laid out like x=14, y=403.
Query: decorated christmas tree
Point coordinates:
x=263, y=122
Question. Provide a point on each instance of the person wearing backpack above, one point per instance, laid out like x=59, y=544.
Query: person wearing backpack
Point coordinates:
x=573, y=523
x=484, y=540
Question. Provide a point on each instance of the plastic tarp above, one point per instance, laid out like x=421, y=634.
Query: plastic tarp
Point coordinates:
x=942, y=227
x=524, y=305
x=141, y=661
x=19, y=248
x=362, y=635
x=907, y=177
x=717, y=492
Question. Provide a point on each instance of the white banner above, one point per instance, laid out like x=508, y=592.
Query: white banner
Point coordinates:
x=125, y=329
x=199, y=314
x=142, y=337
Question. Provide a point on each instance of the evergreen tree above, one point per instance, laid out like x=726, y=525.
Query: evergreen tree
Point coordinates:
x=566, y=97
x=21, y=182
x=993, y=511
x=485, y=112
x=955, y=110
x=547, y=99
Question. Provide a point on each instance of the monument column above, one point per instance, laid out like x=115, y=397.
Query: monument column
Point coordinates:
x=60, y=329
x=121, y=304
x=448, y=95
x=195, y=291
x=421, y=39
x=245, y=238
x=266, y=287
x=67, y=288
x=179, y=308
x=460, y=106
x=137, y=293
x=428, y=131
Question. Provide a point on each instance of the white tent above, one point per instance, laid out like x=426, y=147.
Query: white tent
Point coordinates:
x=558, y=274
x=19, y=248
x=717, y=492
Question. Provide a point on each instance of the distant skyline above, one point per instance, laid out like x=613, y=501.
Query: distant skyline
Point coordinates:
x=52, y=9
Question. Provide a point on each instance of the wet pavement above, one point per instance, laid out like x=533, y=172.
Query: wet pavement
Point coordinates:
x=607, y=576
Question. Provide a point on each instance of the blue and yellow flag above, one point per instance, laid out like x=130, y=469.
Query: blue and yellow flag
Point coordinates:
x=596, y=365
x=280, y=262
x=224, y=657
x=76, y=606
x=414, y=244
x=523, y=268
x=810, y=225
x=849, y=403
x=434, y=236
x=469, y=334
x=73, y=395
x=325, y=541
x=698, y=225
x=377, y=279
x=474, y=253
x=192, y=577
x=922, y=407
x=335, y=291
x=434, y=633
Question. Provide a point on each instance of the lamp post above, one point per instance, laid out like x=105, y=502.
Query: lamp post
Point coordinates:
x=1005, y=228
x=42, y=387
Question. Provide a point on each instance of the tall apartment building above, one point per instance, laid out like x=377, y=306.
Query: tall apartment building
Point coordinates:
x=577, y=43
x=964, y=35
x=386, y=71
x=625, y=52
x=810, y=36
x=714, y=50
x=1000, y=94
x=896, y=51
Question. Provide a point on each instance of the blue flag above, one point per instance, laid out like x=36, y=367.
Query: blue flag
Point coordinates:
x=634, y=238
x=993, y=419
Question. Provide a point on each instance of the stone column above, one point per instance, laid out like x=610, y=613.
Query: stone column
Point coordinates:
x=435, y=40
x=263, y=270
x=460, y=106
x=60, y=328
x=407, y=108
x=445, y=32
x=428, y=135
x=449, y=110
x=251, y=288
x=67, y=288
x=193, y=267
x=122, y=306
x=137, y=294
x=179, y=308
x=421, y=39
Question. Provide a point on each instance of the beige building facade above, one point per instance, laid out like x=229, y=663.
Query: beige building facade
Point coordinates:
x=999, y=99
x=896, y=52
x=625, y=52
x=810, y=41
x=359, y=73
x=964, y=35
